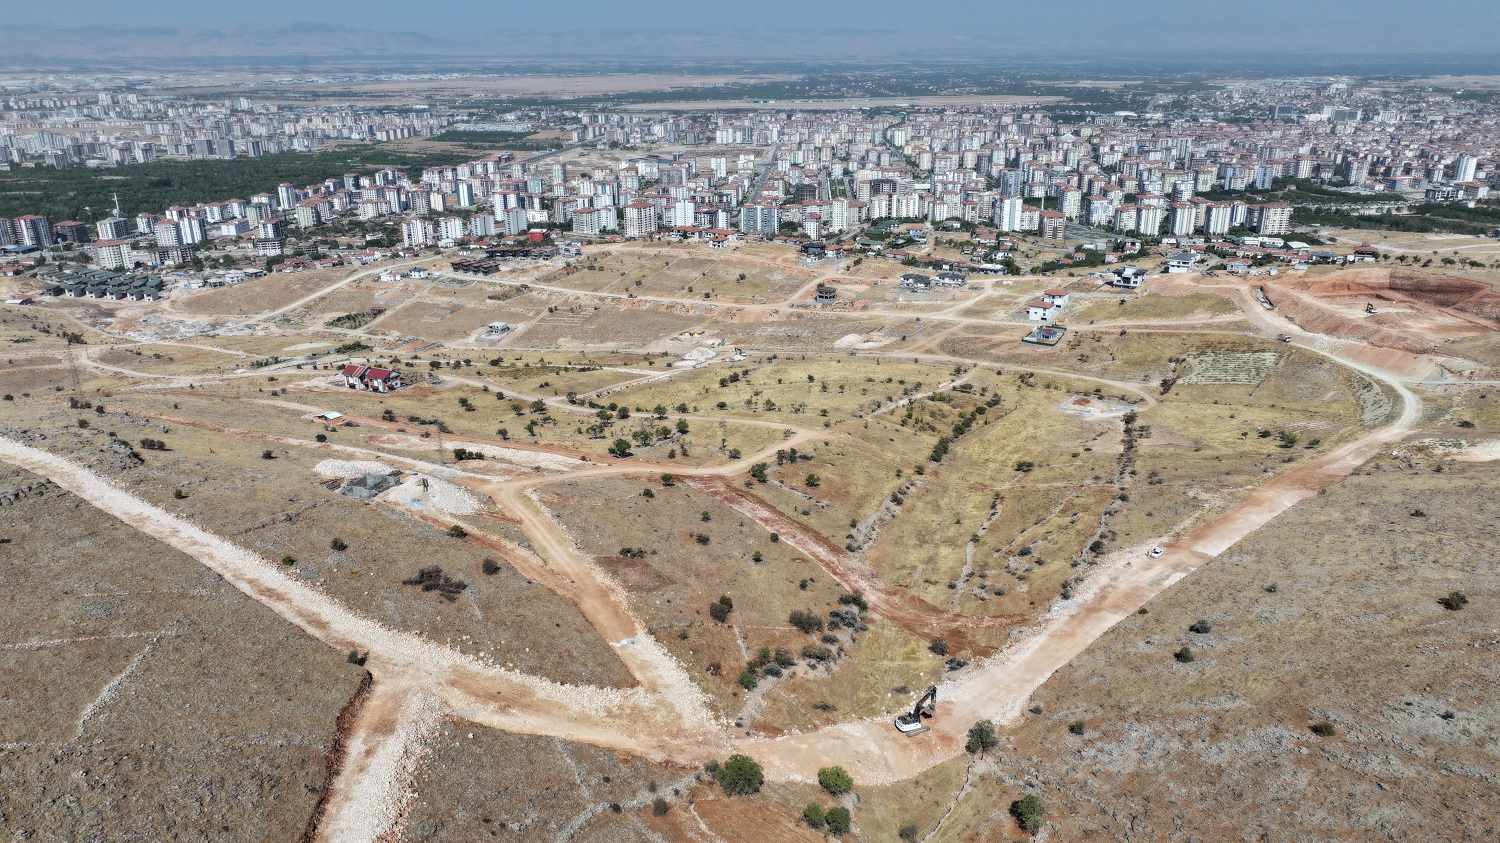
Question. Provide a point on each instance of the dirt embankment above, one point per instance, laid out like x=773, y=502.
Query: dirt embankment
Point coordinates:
x=333, y=759
x=1418, y=312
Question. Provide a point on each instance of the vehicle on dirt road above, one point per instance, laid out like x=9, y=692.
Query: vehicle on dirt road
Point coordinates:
x=910, y=724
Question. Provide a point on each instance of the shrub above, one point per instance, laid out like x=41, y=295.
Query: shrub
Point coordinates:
x=339, y=544
x=836, y=780
x=908, y=833
x=1454, y=601
x=1184, y=655
x=1201, y=627
x=982, y=737
x=805, y=621
x=1028, y=811
x=938, y=647
x=747, y=680
x=659, y=807
x=839, y=821
x=719, y=611
x=321, y=437
x=267, y=455
x=740, y=776
x=815, y=653
x=854, y=598
x=490, y=567
x=814, y=816
x=1323, y=729
x=457, y=532
x=1076, y=727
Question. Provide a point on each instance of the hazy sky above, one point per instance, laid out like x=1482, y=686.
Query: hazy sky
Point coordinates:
x=1199, y=26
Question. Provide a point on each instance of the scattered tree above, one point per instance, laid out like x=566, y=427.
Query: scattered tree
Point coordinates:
x=839, y=821
x=982, y=737
x=835, y=780
x=1028, y=811
x=814, y=815
x=740, y=775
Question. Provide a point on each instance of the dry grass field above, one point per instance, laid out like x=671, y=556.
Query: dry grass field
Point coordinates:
x=260, y=294
x=1291, y=614
x=144, y=693
x=986, y=499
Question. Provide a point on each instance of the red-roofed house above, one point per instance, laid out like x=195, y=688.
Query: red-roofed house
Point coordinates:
x=371, y=378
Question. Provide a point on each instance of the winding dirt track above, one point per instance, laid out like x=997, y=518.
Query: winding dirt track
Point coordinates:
x=666, y=718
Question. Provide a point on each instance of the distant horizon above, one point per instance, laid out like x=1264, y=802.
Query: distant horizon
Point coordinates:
x=1170, y=32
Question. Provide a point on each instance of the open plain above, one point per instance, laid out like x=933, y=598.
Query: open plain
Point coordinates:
x=679, y=512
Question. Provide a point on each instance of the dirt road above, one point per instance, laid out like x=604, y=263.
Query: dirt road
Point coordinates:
x=998, y=689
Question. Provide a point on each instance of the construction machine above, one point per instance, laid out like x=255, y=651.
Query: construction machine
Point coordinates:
x=910, y=724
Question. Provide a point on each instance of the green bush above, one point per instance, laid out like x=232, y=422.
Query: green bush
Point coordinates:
x=982, y=737
x=836, y=780
x=839, y=821
x=1028, y=811
x=1323, y=729
x=814, y=816
x=740, y=776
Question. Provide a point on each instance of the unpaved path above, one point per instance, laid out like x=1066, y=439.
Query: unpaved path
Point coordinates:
x=667, y=719
x=998, y=689
x=369, y=793
x=900, y=607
